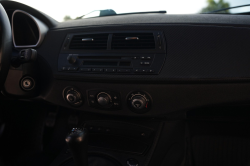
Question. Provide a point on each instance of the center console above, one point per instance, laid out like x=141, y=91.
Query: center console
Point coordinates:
x=111, y=53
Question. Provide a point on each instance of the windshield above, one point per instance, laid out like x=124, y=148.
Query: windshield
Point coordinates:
x=72, y=9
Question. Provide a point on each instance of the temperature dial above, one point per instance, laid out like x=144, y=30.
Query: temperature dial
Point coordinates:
x=73, y=96
x=139, y=102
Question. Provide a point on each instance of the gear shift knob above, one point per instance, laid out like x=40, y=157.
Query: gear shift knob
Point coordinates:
x=77, y=142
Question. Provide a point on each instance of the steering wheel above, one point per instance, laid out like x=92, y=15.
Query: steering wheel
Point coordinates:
x=5, y=45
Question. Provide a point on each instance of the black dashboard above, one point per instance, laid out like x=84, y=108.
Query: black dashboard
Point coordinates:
x=134, y=90
x=142, y=65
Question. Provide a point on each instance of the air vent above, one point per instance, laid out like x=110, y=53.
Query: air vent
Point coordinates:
x=89, y=42
x=133, y=41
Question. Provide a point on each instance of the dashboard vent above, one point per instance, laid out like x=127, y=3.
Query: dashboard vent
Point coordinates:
x=89, y=42
x=133, y=41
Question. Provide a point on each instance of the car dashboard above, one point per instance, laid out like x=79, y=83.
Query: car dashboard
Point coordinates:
x=169, y=58
x=146, y=66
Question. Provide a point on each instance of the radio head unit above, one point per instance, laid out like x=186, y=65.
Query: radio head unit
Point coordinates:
x=128, y=64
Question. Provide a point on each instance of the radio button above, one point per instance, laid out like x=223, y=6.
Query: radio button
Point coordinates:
x=72, y=68
x=145, y=63
x=140, y=70
x=127, y=70
x=110, y=70
x=85, y=69
x=97, y=70
x=135, y=57
x=150, y=71
x=123, y=70
x=137, y=70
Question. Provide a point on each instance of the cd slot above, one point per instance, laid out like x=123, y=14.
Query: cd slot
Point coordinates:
x=99, y=63
x=99, y=57
x=125, y=63
x=107, y=63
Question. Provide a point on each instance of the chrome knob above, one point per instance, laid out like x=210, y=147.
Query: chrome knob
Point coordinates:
x=138, y=102
x=71, y=97
x=103, y=99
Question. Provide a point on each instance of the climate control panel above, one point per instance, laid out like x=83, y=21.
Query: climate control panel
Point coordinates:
x=137, y=101
x=104, y=99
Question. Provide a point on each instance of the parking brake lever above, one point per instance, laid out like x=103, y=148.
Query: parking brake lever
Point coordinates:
x=77, y=142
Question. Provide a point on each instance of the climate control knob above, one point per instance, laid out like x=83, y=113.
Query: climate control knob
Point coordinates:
x=103, y=99
x=73, y=96
x=139, y=102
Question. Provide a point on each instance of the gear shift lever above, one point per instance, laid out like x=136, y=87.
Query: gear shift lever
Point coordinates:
x=77, y=142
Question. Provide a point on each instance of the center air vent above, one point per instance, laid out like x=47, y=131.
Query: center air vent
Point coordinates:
x=89, y=41
x=133, y=41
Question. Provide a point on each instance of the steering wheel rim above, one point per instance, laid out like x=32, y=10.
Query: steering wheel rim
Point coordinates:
x=5, y=45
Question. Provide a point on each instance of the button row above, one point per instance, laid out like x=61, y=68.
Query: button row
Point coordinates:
x=110, y=70
x=145, y=63
x=144, y=71
x=69, y=68
x=96, y=70
x=142, y=57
